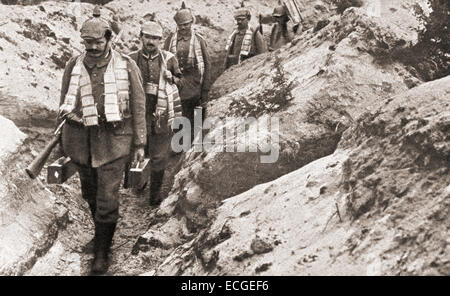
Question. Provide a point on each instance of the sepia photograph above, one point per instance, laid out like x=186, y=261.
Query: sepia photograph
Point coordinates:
x=224, y=138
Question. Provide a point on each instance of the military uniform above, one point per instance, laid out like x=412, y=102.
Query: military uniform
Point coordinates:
x=195, y=65
x=159, y=69
x=104, y=103
x=107, y=144
x=281, y=34
x=243, y=44
x=158, y=130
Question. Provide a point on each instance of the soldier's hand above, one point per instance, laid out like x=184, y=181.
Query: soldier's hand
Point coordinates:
x=139, y=155
x=75, y=118
x=62, y=114
x=168, y=75
x=176, y=80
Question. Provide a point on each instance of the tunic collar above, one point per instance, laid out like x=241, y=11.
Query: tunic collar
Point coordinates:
x=185, y=38
x=147, y=56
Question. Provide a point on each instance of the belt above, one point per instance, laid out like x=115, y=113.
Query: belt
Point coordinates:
x=151, y=88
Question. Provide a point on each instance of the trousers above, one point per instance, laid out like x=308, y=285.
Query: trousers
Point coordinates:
x=158, y=145
x=100, y=188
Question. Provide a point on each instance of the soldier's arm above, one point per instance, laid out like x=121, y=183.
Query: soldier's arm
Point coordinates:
x=134, y=56
x=66, y=79
x=177, y=75
x=174, y=67
x=207, y=74
x=290, y=32
x=167, y=42
x=225, y=61
x=137, y=104
x=297, y=32
x=259, y=43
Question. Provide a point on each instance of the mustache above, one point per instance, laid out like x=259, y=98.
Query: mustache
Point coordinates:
x=93, y=51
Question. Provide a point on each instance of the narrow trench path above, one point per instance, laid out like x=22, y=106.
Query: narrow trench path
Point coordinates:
x=67, y=255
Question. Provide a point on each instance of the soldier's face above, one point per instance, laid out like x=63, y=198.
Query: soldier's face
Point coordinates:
x=150, y=43
x=281, y=19
x=242, y=22
x=95, y=47
x=185, y=28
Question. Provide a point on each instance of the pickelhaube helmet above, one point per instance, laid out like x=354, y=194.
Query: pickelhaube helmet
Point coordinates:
x=242, y=12
x=279, y=11
x=183, y=15
x=95, y=28
x=152, y=28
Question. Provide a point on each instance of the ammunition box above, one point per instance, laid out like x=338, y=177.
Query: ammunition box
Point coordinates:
x=60, y=171
x=140, y=175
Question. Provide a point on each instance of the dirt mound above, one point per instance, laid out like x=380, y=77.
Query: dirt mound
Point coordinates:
x=378, y=206
x=28, y=222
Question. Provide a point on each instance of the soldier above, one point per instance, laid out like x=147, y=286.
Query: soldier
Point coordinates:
x=160, y=71
x=283, y=31
x=104, y=103
x=244, y=42
x=191, y=51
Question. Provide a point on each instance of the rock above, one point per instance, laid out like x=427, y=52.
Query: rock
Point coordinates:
x=12, y=137
x=260, y=246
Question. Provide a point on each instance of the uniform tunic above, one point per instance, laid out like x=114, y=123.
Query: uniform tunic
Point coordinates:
x=98, y=145
x=190, y=87
x=158, y=142
x=258, y=46
x=280, y=36
x=102, y=152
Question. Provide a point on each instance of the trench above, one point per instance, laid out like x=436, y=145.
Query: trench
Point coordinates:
x=63, y=249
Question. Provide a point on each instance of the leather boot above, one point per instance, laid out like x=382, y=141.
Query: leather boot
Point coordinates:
x=93, y=208
x=104, y=233
x=89, y=247
x=155, y=187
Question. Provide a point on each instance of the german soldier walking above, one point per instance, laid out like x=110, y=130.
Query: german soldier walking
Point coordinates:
x=160, y=71
x=284, y=30
x=104, y=103
x=191, y=51
x=244, y=42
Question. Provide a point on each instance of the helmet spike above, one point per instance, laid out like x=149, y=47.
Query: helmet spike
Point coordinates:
x=96, y=12
x=150, y=17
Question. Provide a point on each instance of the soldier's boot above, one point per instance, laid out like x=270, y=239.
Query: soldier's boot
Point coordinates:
x=93, y=208
x=89, y=247
x=155, y=187
x=104, y=233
